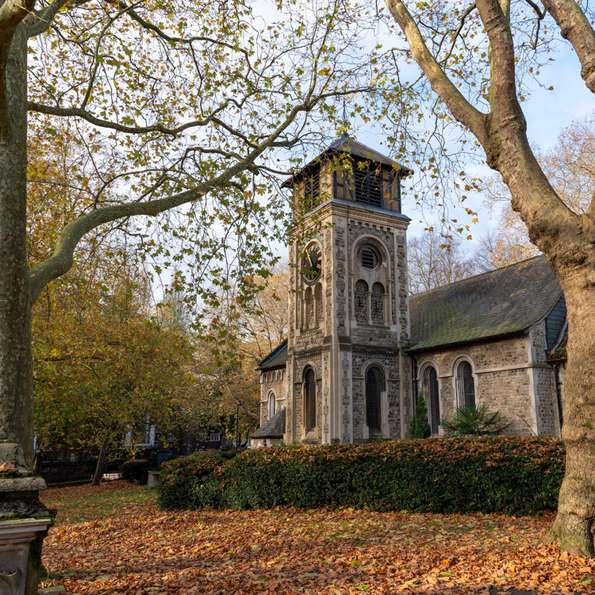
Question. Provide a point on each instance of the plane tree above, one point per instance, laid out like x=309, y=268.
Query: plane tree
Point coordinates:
x=180, y=111
x=476, y=57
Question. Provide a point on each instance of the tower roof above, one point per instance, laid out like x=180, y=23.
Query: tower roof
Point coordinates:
x=346, y=144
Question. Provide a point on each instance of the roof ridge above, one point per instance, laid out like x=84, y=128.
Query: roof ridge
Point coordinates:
x=490, y=272
x=273, y=352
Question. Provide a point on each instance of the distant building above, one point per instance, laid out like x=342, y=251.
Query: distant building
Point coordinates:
x=360, y=350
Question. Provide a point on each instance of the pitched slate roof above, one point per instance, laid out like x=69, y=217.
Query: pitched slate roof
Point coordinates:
x=275, y=359
x=501, y=302
x=273, y=428
x=346, y=144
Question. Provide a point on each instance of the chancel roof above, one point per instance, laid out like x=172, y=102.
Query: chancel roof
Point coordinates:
x=505, y=301
x=273, y=428
x=275, y=359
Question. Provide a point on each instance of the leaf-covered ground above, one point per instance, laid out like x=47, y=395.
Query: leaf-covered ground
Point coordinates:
x=114, y=539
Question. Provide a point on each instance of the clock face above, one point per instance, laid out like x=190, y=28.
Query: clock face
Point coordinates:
x=312, y=263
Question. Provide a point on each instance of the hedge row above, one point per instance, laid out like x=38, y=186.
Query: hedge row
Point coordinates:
x=495, y=474
x=179, y=477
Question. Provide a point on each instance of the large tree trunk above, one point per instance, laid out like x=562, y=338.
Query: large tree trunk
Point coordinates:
x=15, y=310
x=574, y=526
x=567, y=239
x=18, y=496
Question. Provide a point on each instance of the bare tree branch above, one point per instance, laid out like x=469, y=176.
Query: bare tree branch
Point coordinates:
x=65, y=112
x=503, y=97
x=62, y=258
x=575, y=27
x=40, y=21
x=461, y=109
x=458, y=30
x=508, y=129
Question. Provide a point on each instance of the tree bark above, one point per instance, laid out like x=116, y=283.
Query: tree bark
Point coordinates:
x=574, y=527
x=568, y=241
x=574, y=26
x=16, y=413
x=570, y=251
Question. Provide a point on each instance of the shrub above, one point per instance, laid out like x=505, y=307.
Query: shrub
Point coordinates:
x=419, y=426
x=503, y=474
x=475, y=421
x=178, y=477
x=136, y=470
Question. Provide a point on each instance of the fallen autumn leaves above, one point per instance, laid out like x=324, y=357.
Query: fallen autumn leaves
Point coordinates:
x=136, y=548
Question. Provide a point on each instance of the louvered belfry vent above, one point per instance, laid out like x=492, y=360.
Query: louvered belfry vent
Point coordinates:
x=368, y=185
x=368, y=257
x=312, y=189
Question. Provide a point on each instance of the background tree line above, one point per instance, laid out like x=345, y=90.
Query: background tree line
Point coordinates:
x=108, y=355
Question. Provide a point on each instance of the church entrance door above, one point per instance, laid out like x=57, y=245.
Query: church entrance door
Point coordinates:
x=374, y=387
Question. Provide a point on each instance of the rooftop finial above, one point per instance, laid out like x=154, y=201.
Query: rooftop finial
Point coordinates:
x=344, y=125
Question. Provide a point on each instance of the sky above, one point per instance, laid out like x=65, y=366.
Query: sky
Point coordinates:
x=547, y=114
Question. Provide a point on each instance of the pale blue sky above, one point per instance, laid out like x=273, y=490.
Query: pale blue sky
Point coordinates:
x=547, y=114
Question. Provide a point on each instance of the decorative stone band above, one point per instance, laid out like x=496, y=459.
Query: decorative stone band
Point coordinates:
x=22, y=484
x=16, y=536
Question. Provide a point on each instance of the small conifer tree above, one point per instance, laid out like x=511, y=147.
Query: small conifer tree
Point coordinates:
x=419, y=426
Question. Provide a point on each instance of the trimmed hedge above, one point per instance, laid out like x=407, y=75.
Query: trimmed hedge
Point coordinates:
x=489, y=474
x=179, y=476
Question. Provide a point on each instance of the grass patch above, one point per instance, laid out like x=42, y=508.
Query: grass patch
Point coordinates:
x=88, y=503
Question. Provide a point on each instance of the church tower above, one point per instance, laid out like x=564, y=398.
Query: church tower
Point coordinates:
x=347, y=379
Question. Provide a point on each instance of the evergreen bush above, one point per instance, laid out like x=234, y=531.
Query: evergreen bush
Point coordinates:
x=484, y=474
x=475, y=421
x=178, y=476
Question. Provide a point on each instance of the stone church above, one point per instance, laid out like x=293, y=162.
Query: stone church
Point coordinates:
x=360, y=349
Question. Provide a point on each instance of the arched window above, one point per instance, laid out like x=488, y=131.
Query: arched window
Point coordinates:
x=309, y=308
x=309, y=399
x=465, y=385
x=272, y=404
x=318, y=303
x=374, y=387
x=377, y=305
x=361, y=301
x=430, y=388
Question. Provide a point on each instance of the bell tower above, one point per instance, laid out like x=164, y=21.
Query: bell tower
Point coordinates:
x=348, y=380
